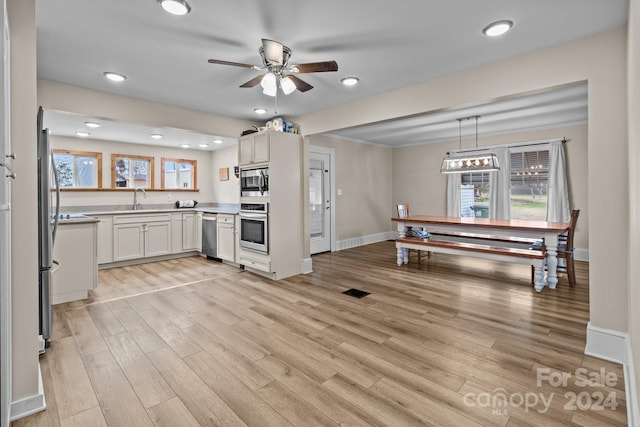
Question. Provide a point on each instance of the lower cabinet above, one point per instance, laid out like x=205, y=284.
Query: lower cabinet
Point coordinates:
x=184, y=232
x=75, y=253
x=105, y=239
x=139, y=236
x=226, y=237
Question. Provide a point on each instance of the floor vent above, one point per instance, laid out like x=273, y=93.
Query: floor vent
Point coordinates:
x=356, y=293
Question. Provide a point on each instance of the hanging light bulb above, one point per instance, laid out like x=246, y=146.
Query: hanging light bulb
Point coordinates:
x=287, y=85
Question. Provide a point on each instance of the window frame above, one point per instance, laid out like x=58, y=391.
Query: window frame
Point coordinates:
x=132, y=157
x=95, y=154
x=194, y=166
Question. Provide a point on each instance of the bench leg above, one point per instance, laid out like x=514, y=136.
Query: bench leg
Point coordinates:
x=538, y=278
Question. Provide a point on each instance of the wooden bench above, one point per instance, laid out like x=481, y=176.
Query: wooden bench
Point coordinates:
x=521, y=256
x=489, y=237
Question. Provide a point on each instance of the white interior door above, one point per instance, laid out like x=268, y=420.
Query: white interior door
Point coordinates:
x=321, y=210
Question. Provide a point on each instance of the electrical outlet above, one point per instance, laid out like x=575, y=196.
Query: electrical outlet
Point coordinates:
x=169, y=197
x=339, y=191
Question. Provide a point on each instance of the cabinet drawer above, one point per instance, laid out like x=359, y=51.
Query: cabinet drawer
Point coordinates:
x=253, y=262
x=226, y=219
x=142, y=218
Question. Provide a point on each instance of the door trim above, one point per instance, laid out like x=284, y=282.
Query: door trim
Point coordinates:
x=332, y=188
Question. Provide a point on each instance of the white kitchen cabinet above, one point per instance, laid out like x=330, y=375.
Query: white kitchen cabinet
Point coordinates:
x=184, y=232
x=105, y=239
x=176, y=232
x=226, y=237
x=190, y=231
x=253, y=148
x=75, y=252
x=140, y=236
x=199, y=231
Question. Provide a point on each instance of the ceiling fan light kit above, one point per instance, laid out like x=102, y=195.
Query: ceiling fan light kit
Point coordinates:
x=460, y=162
x=275, y=59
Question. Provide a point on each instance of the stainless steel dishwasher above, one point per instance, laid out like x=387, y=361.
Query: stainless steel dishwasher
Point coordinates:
x=209, y=235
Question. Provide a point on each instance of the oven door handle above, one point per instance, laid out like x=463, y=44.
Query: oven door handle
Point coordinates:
x=253, y=215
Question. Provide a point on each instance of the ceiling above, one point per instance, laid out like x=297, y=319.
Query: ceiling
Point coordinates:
x=387, y=47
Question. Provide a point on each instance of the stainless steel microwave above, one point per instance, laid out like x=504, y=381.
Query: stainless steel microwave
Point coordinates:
x=254, y=182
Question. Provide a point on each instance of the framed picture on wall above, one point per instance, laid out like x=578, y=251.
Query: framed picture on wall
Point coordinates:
x=223, y=174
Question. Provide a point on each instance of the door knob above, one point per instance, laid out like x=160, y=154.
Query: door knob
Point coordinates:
x=11, y=175
x=11, y=156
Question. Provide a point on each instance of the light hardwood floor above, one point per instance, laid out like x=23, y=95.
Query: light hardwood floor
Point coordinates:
x=193, y=342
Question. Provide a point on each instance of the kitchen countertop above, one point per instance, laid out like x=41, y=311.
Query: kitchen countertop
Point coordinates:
x=224, y=208
x=73, y=218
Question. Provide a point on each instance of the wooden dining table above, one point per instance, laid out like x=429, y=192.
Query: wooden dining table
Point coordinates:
x=495, y=227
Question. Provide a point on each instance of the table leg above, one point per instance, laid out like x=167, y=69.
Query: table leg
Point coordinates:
x=538, y=278
x=402, y=254
x=399, y=256
x=551, y=244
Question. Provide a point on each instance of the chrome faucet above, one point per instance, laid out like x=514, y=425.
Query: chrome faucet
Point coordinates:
x=137, y=205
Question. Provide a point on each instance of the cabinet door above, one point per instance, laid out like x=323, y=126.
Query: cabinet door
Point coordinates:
x=245, y=150
x=198, y=231
x=176, y=232
x=226, y=241
x=105, y=239
x=128, y=241
x=261, y=147
x=189, y=238
x=157, y=238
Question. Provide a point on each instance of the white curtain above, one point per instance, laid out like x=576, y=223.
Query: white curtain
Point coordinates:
x=453, y=194
x=558, y=194
x=499, y=185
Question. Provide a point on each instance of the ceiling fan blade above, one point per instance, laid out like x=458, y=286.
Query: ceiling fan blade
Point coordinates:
x=253, y=82
x=273, y=52
x=233, y=64
x=301, y=85
x=315, y=67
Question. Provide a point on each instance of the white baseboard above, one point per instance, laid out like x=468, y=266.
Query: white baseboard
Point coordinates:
x=306, y=266
x=354, y=242
x=29, y=405
x=581, y=254
x=615, y=346
x=607, y=344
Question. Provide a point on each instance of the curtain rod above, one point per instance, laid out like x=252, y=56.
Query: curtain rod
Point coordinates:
x=515, y=144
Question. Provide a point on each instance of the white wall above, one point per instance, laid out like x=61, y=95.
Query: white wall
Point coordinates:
x=120, y=197
x=363, y=173
x=634, y=188
x=24, y=218
x=598, y=59
x=225, y=191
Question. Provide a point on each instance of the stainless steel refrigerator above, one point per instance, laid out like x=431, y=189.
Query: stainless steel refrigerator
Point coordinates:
x=48, y=212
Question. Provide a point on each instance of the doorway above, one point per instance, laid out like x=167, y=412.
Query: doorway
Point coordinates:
x=321, y=206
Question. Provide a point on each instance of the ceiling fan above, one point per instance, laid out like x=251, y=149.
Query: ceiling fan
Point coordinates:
x=275, y=59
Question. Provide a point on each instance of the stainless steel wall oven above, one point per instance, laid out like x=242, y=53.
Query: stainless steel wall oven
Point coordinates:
x=254, y=226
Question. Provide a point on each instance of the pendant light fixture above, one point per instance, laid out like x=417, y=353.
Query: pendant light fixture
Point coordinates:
x=469, y=161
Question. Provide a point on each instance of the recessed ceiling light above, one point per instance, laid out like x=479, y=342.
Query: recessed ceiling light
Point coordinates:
x=185, y=145
x=82, y=134
x=92, y=125
x=259, y=110
x=204, y=145
x=175, y=7
x=497, y=28
x=218, y=141
x=115, y=77
x=350, y=81
x=156, y=136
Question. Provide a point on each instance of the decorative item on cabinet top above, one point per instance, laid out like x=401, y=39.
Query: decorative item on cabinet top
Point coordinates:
x=280, y=125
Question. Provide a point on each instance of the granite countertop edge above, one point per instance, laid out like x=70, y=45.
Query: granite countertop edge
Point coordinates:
x=224, y=208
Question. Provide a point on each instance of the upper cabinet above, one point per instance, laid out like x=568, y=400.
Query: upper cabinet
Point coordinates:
x=253, y=148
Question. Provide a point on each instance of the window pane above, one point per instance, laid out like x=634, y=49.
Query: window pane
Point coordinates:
x=87, y=172
x=122, y=172
x=474, y=194
x=79, y=169
x=64, y=164
x=178, y=174
x=141, y=173
x=529, y=185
